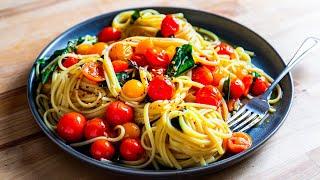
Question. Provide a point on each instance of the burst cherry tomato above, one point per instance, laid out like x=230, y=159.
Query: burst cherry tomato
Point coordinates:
x=97, y=48
x=131, y=149
x=169, y=26
x=239, y=142
x=202, y=75
x=132, y=130
x=70, y=61
x=225, y=49
x=157, y=58
x=160, y=88
x=259, y=86
x=71, y=126
x=120, y=66
x=209, y=95
x=236, y=89
x=140, y=59
x=118, y=113
x=94, y=128
x=109, y=34
x=102, y=149
x=93, y=71
x=158, y=71
x=247, y=82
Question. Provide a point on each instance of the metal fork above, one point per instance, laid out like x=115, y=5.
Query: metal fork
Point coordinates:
x=257, y=108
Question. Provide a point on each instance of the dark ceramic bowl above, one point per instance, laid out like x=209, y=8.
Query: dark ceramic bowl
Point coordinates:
x=266, y=58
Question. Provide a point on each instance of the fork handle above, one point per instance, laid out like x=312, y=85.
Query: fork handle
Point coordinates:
x=304, y=49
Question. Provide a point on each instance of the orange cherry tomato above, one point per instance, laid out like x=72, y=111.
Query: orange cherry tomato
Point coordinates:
x=102, y=149
x=202, y=75
x=131, y=149
x=71, y=126
x=236, y=89
x=69, y=61
x=160, y=88
x=157, y=58
x=132, y=130
x=209, y=95
x=93, y=71
x=120, y=66
x=83, y=49
x=225, y=49
x=247, y=82
x=143, y=46
x=259, y=86
x=121, y=51
x=239, y=142
x=169, y=26
x=109, y=34
x=118, y=113
x=94, y=128
x=97, y=48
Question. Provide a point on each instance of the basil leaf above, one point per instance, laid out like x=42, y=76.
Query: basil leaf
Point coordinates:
x=122, y=77
x=135, y=16
x=87, y=39
x=226, y=89
x=255, y=74
x=181, y=61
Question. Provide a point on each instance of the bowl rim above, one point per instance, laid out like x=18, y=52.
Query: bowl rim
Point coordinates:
x=117, y=168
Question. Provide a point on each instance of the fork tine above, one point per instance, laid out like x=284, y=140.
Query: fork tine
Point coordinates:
x=240, y=111
x=254, y=122
x=243, y=123
x=240, y=118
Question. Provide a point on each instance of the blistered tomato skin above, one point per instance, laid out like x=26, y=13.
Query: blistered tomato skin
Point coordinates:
x=118, y=113
x=109, y=34
x=70, y=126
x=157, y=58
x=169, y=26
x=209, y=95
x=202, y=75
x=160, y=88
x=131, y=149
x=68, y=62
x=259, y=86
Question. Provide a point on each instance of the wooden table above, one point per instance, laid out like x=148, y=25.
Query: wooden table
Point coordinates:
x=27, y=26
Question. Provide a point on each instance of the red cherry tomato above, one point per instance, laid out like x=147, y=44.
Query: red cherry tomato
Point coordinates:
x=93, y=71
x=140, y=59
x=109, y=34
x=236, y=89
x=158, y=72
x=169, y=26
x=160, y=88
x=120, y=66
x=259, y=86
x=157, y=58
x=69, y=61
x=209, y=95
x=118, y=113
x=239, y=142
x=247, y=81
x=131, y=149
x=202, y=75
x=94, y=128
x=71, y=126
x=225, y=49
x=102, y=149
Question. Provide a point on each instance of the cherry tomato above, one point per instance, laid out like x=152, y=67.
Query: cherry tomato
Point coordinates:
x=94, y=128
x=230, y=104
x=209, y=95
x=102, y=149
x=157, y=58
x=84, y=49
x=98, y=48
x=160, y=88
x=236, y=89
x=225, y=49
x=132, y=130
x=109, y=34
x=169, y=26
x=120, y=66
x=93, y=71
x=143, y=46
x=133, y=88
x=118, y=113
x=71, y=126
x=158, y=72
x=70, y=61
x=140, y=59
x=239, y=142
x=217, y=76
x=131, y=149
x=202, y=75
x=120, y=51
x=259, y=86
x=247, y=81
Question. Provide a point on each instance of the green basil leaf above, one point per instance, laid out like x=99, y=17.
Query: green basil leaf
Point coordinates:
x=135, y=16
x=255, y=74
x=226, y=89
x=181, y=61
x=122, y=77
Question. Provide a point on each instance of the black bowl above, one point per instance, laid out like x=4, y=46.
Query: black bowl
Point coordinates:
x=266, y=58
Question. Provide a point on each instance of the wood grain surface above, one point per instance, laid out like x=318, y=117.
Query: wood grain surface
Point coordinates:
x=27, y=26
